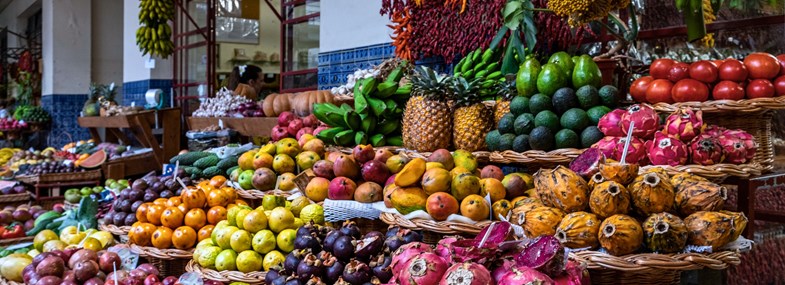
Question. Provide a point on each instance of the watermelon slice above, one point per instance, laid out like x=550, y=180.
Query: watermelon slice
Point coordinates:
x=94, y=160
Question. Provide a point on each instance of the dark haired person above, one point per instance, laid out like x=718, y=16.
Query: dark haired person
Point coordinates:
x=246, y=80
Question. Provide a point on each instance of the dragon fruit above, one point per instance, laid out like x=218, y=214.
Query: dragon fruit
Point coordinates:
x=470, y=250
x=684, y=124
x=545, y=254
x=610, y=124
x=525, y=275
x=606, y=145
x=444, y=247
x=646, y=121
x=425, y=268
x=713, y=131
x=636, y=153
x=664, y=150
x=574, y=274
x=734, y=149
x=747, y=138
x=466, y=274
x=501, y=270
x=706, y=151
x=405, y=253
x=586, y=164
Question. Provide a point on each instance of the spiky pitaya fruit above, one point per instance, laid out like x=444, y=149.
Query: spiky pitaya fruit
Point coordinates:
x=749, y=141
x=610, y=124
x=706, y=151
x=587, y=163
x=636, y=153
x=713, y=131
x=684, y=124
x=466, y=274
x=444, y=247
x=734, y=149
x=425, y=268
x=406, y=252
x=606, y=145
x=664, y=150
x=525, y=275
x=646, y=121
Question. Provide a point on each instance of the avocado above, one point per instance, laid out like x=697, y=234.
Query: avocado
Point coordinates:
x=506, y=124
x=588, y=96
x=609, y=96
x=586, y=72
x=505, y=142
x=547, y=119
x=526, y=79
x=590, y=136
x=574, y=119
x=492, y=140
x=519, y=105
x=567, y=138
x=541, y=138
x=564, y=61
x=596, y=113
x=521, y=143
x=563, y=100
x=551, y=78
x=524, y=124
x=539, y=103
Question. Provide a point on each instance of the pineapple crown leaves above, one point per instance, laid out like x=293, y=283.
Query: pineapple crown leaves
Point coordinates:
x=506, y=89
x=426, y=82
x=465, y=92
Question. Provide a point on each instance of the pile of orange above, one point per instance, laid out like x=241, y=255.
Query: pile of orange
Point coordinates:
x=184, y=220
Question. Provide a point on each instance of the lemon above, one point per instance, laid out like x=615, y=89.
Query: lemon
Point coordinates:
x=241, y=217
x=240, y=241
x=105, y=238
x=41, y=238
x=280, y=219
x=231, y=215
x=226, y=260
x=298, y=223
x=224, y=237
x=92, y=244
x=285, y=240
x=205, y=243
x=255, y=221
x=249, y=261
x=53, y=245
x=271, y=259
x=263, y=241
x=312, y=212
x=208, y=255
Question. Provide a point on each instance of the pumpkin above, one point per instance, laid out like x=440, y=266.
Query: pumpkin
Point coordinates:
x=281, y=104
x=267, y=105
x=302, y=103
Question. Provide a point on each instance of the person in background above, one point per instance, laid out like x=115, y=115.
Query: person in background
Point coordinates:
x=246, y=80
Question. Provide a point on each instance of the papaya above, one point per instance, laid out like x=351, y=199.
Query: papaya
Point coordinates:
x=586, y=72
x=526, y=79
x=551, y=78
x=563, y=60
x=409, y=199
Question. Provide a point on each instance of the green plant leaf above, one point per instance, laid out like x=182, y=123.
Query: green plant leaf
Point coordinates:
x=513, y=14
x=693, y=18
x=499, y=37
x=529, y=28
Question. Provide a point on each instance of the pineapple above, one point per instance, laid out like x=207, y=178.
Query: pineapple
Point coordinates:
x=472, y=119
x=427, y=121
x=506, y=91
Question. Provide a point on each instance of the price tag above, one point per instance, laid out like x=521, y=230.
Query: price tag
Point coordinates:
x=221, y=124
x=129, y=258
x=169, y=169
x=190, y=278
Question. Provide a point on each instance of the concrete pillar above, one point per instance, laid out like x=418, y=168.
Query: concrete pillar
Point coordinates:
x=138, y=76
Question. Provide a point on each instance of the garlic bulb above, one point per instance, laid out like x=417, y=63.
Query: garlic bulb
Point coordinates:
x=221, y=105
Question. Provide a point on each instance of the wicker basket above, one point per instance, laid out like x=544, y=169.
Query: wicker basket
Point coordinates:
x=559, y=156
x=756, y=105
x=252, y=278
x=650, y=268
x=61, y=177
x=12, y=241
x=13, y=198
x=433, y=231
x=170, y=262
x=4, y=281
x=120, y=232
x=301, y=181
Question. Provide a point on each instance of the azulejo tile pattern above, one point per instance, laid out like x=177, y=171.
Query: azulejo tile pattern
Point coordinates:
x=64, y=109
x=134, y=91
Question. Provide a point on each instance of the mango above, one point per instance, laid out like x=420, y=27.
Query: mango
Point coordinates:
x=411, y=173
x=476, y=208
x=408, y=199
x=441, y=205
x=432, y=165
x=464, y=185
x=465, y=159
x=436, y=180
x=396, y=162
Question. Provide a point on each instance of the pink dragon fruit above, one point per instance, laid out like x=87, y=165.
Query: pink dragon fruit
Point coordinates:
x=574, y=274
x=734, y=149
x=664, y=150
x=706, y=151
x=466, y=274
x=405, y=253
x=444, y=247
x=545, y=254
x=501, y=270
x=713, y=131
x=606, y=145
x=425, y=268
x=635, y=153
x=747, y=138
x=471, y=250
x=587, y=163
x=684, y=124
x=646, y=121
x=610, y=124
x=525, y=275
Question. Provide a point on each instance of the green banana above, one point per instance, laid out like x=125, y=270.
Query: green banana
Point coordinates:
x=486, y=56
x=457, y=68
x=388, y=126
x=368, y=123
x=377, y=106
x=487, y=84
x=492, y=67
x=405, y=89
x=344, y=138
x=368, y=86
x=346, y=108
x=494, y=75
x=468, y=74
x=476, y=55
x=479, y=67
x=391, y=104
x=395, y=76
x=467, y=65
x=360, y=103
x=395, y=141
x=377, y=140
x=360, y=138
x=330, y=114
x=481, y=74
x=329, y=134
x=385, y=89
x=353, y=120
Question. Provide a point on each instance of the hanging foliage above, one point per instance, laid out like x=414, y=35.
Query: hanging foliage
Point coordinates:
x=556, y=34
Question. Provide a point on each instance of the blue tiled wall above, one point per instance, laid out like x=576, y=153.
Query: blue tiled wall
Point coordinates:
x=64, y=109
x=134, y=91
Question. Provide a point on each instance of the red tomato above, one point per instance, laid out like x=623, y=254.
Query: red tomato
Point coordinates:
x=679, y=71
x=762, y=65
x=638, y=88
x=760, y=88
x=718, y=62
x=779, y=86
x=733, y=70
x=659, y=91
x=781, y=58
x=660, y=68
x=704, y=71
x=687, y=90
x=728, y=90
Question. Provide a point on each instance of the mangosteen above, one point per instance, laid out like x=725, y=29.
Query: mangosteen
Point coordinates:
x=178, y=192
x=293, y=259
x=157, y=186
x=315, y=281
x=410, y=236
x=171, y=184
x=118, y=219
x=374, y=234
x=270, y=276
x=281, y=280
x=125, y=206
x=186, y=180
x=116, y=204
x=333, y=268
x=368, y=246
x=349, y=228
x=109, y=217
x=181, y=173
x=343, y=248
x=307, y=229
x=393, y=243
x=136, y=205
x=139, y=184
x=167, y=194
x=330, y=238
x=125, y=194
x=150, y=196
x=356, y=272
x=380, y=267
x=308, y=241
x=136, y=195
x=309, y=267
x=130, y=219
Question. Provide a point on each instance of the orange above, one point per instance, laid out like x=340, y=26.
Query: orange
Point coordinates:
x=160, y=201
x=216, y=214
x=193, y=198
x=241, y=202
x=232, y=194
x=142, y=234
x=195, y=218
x=162, y=238
x=172, y=218
x=204, y=185
x=174, y=201
x=141, y=212
x=218, y=181
x=154, y=212
x=205, y=232
x=230, y=206
x=184, y=237
x=217, y=198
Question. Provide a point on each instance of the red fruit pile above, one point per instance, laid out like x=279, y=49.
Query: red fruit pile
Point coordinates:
x=9, y=124
x=291, y=126
x=760, y=75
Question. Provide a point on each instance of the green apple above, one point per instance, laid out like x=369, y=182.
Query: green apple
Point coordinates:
x=98, y=189
x=86, y=191
x=246, y=179
x=73, y=195
x=109, y=182
x=123, y=182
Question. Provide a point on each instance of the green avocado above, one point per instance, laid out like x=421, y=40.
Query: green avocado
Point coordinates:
x=541, y=138
x=609, y=96
x=551, y=78
x=564, y=61
x=521, y=143
x=567, y=138
x=492, y=140
x=526, y=79
x=547, y=119
x=574, y=119
x=524, y=124
x=586, y=72
x=596, y=113
x=505, y=142
x=588, y=96
x=539, y=103
x=519, y=105
x=506, y=124
x=590, y=135
x=564, y=99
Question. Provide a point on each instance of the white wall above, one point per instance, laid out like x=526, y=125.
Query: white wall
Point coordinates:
x=66, y=46
x=107, y=41
x=14, y=17
x=133, y=64
x=350, y=23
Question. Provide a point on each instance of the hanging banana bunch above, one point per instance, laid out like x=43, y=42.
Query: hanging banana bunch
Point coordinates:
x=154, y=35
x=708, y=18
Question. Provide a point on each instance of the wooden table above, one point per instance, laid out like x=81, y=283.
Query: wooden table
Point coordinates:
x=140, y=125
x=249, y=127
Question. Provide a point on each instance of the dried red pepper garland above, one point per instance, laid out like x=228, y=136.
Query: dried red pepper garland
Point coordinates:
x=555, y=34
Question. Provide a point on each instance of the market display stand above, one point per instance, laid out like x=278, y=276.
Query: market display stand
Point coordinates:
x=747, y=194
x=48, y=187
x=140, y=125
x=249, y=127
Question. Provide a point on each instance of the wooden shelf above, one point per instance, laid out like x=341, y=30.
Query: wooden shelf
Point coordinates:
x=249, y=127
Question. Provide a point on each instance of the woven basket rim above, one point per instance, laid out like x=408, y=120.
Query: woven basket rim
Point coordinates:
x=442, y=227
x=115, y=230
x=166, y=254
x=11, y=241
x=253, y=278
x=755, y=105
x=655, y=262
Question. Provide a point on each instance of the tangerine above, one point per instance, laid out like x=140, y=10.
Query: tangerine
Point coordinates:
x=182, y=208
x=216, y=214
x=162, y=238
x=205, y=232
x=142, y=234
x=218, y=181
x=154, y=212
x=204, y=185
x=193, y=198
x=160, y=201
x=184, y=237
x=241, y=202
x=174, y=201
x=231, y=192
x=195, y=218
x=141, y=212
x=217, y=198
x=232, y=205
x=172, y=218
